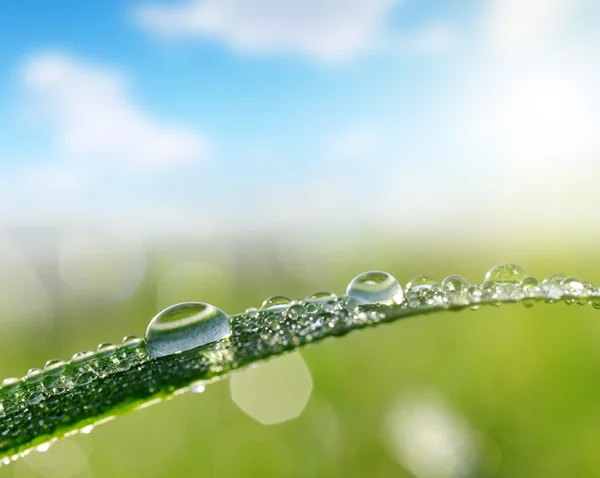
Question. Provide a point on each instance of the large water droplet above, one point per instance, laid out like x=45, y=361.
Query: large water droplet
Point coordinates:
x=184, y=327
x=374, y=286
x=506, y=273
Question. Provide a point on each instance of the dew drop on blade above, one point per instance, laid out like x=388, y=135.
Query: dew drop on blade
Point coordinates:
x=423, y=282
x=184, y=327
x=276, y=301
x=374, y=286
x=506, y=273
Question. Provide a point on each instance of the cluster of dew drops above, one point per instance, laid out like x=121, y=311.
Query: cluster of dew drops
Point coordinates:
x=283, y=322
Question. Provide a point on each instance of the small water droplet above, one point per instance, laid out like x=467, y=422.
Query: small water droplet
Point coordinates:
x=312, y=308
x=10, y=383
x=252, y=312
x=184, y=327
x=131, y=341
x=276, y=301
x=197, y=387
x=422, y=282
x=330, y=306
x=474, y=294
x=375, y=286
x=320, y=297
x=531, y=286
x=552, y=287
x=35, y=375
x=553, y=278
x=455, y=287
x=54, y=366
x=506, y=273
x=81, y=357
x=573, y=286
x=296, y=311
x=106, y=349
x=455, y=283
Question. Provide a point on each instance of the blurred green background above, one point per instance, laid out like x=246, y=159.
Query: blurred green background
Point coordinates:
x=505, y=391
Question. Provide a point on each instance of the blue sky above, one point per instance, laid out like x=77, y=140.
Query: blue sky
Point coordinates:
x=238, y=114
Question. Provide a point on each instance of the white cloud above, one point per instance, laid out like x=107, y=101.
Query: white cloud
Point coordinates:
x=94, y=118
x=328, y=30
x=514, y=25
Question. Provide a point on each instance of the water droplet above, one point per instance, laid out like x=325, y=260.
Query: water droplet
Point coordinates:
x=320, y=297
x=351, y=306
x=455, y=288
x=252, y=312
x=296, y=311
x=10, y=383
x=197, y=387
x=106, y=349
x=530, y=286
x=552, y=287
x=573, y=286
x=81, y=357
x=375, y=286
x=554, y=278
x=131, y=341
x=422, y=282
x=455, y=284
x=35, y=375
x=54, y=366
x=311, y=308
x=330, y=306
x=184, y=327
x=506, y=273
x=474, y=294
x=276, y=301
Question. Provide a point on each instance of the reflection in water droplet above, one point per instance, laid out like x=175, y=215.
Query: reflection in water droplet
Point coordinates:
x=375, y=286
x=506, y=273
x=184, y=327
x=276, y=301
